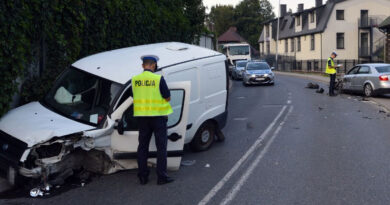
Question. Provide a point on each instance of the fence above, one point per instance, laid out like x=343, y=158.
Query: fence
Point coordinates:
x=314, y=65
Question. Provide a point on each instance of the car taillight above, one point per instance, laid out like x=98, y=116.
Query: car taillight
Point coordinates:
x=383, y=78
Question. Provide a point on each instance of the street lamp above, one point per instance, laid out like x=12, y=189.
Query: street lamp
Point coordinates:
x=277, y=38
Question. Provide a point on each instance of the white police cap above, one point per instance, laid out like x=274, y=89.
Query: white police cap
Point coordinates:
x=150, y=57
x=334, y=52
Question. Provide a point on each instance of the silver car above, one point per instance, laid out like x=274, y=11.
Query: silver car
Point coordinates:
x=258, y=73
x=369, y=79
x=238, y=70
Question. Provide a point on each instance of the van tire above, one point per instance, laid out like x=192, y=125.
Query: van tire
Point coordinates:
x=204, y=137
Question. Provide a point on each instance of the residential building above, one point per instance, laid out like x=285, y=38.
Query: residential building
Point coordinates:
x=385, y=27
x=349, y=27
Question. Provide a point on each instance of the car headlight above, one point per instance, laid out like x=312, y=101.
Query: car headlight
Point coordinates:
x=253, y=75
x=265, y=75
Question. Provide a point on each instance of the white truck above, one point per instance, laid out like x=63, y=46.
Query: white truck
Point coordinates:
x=86, y=119
x=237, y=51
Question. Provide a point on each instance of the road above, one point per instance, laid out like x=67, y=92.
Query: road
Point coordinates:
x=284, y=145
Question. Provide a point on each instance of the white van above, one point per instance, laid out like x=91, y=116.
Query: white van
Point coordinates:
x=86, y=119
x=237, y=51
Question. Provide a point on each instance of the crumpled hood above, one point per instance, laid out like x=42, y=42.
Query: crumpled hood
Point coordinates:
x=33, y=124
x=258, y=72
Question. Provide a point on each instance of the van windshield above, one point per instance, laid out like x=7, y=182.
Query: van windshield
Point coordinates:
x=238, y=50
x=82, y=96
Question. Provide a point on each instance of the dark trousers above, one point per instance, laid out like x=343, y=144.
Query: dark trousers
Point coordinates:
x=331, y=84
x=148, y=126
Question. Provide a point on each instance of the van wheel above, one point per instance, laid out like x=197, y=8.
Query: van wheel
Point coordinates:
x=368, y=91
x=204, y=137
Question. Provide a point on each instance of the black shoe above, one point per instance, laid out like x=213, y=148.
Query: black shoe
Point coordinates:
x=143, y=180
x=165, y=180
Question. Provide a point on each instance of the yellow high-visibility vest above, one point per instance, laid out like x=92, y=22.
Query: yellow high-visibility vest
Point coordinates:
x=328, y=69
x=147, y=99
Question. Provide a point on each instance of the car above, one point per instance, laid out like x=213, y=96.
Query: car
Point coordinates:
x=258, y=73
x=86, y=119
x=368, y=79
x=238, y=69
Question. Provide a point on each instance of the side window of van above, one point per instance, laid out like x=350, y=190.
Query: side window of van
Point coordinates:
x=177, y=100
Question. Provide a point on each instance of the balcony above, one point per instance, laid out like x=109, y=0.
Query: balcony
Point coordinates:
x=369, y=22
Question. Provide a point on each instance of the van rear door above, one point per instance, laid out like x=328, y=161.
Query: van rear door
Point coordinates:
x=125, y=145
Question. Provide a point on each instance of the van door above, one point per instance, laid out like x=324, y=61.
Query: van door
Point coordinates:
x=124, y=146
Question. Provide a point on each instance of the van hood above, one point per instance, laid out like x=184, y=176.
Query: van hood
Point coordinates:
x=33, y=123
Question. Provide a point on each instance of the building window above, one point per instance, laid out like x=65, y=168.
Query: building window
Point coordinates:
x=298, y=20
x=268, y=48
x=299, y=43
x=312, y=43
x=339, y=14
x=340, y=40
x=292, y=45
x=286, y=46
x=312, y=17
x=267, y=31
x=309, y=66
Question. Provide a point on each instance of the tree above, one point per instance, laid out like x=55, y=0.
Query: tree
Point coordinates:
x=222, y=17
x=248, y=16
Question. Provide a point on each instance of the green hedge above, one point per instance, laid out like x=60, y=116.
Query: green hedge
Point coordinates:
x=48, y=35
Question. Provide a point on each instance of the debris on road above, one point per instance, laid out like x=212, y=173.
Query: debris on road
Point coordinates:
x=249, y=125
x=312, y=86
x=382, y=111
x=320, y=108
x=320, y=90
x=188, y=162
x=369, y=118
x=207, y=165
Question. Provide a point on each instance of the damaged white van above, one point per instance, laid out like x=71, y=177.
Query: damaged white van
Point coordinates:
x=86, y=120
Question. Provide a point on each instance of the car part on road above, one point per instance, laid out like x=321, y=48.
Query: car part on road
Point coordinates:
x=220, y=135
x=320, y=90
x=204, y=137
x=312, y=86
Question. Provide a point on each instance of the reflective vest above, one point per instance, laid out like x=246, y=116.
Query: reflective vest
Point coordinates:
x=147, y=99
x=328, y=69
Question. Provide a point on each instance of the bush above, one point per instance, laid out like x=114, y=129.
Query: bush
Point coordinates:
x=56, y=33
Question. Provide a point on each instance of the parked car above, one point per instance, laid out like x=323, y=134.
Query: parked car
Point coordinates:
x=258, y=73
x=86, y=119
x=238, y=70
x=369, y=79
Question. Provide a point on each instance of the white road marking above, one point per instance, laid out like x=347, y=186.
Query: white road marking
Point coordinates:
x=240, y=97
x=288, y=102
x=237, y=187
x=240, y=119
x=236, y=166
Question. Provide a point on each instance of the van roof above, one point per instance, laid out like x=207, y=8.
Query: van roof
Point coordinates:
x=122, y=64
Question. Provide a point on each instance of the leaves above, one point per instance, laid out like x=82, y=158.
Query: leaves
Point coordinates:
x=40, y=38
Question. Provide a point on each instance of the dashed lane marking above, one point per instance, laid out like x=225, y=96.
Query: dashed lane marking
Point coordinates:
x=238, y=164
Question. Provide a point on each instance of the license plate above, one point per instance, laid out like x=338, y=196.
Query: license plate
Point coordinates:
x=260, y=78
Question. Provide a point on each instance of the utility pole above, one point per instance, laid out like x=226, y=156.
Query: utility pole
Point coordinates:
x=277, y=39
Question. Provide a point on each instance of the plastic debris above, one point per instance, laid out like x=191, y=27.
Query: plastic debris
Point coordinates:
x=188, y=162
x=207, y=165
x=35, y=192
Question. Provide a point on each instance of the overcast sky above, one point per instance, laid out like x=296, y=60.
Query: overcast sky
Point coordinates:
x=290, y=3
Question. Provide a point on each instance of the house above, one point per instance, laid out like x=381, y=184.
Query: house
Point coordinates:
x=385, y=27
x=308, y=36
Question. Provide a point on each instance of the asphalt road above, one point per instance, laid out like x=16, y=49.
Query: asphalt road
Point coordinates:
x=284, y=145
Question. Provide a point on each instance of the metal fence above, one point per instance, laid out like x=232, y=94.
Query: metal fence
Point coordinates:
x=314, y=65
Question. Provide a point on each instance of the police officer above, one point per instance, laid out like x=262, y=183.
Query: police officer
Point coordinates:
x=331, y=70
x=151, y=98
